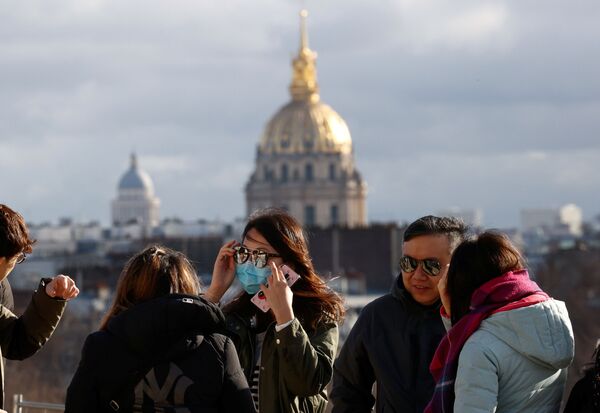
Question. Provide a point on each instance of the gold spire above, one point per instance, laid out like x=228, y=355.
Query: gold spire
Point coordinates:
x=303, y=33
x=304, y=77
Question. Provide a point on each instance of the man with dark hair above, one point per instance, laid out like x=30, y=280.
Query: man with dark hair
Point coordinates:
x=21, y=337
x=395, y=336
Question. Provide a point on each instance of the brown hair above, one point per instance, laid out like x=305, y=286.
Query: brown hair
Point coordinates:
x=14, y=235
x=476, y=261
x=314, y=302
x=151, y=273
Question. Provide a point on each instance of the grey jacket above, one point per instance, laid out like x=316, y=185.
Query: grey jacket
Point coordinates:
x=516, y=361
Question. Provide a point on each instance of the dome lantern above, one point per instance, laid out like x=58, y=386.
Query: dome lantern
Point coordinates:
x=304, y=86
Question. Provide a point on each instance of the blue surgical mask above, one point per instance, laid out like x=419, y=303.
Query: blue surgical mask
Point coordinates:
x=251, y=277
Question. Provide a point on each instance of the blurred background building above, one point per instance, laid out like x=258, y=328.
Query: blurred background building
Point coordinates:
x=135, y=202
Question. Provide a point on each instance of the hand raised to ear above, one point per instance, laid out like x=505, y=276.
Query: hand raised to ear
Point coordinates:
x=279, y=295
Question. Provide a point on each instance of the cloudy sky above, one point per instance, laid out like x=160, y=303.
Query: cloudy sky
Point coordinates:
x=487, y=104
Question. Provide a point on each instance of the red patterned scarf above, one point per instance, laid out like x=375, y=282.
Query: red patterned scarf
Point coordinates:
x=507, y=292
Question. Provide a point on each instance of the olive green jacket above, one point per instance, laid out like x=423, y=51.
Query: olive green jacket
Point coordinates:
x=296, y=365
x=21, y=337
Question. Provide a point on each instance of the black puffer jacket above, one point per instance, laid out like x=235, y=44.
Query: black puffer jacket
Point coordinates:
x=585, y=395
x=175, y=344
x=392, y=342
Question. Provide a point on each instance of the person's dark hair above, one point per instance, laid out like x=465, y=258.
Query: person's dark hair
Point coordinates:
x=153, y=272
x=14, y=235
x=476, y=261
x=592, y=370
x=454, y=228
x=314, y=302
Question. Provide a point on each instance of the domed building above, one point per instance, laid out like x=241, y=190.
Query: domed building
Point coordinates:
x=135, y=202
x=305, y=161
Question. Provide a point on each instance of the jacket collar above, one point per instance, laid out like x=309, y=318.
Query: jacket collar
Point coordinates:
x=170, y=323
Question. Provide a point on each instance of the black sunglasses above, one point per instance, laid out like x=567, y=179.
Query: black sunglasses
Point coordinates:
x=259, y=258
x=431, y=266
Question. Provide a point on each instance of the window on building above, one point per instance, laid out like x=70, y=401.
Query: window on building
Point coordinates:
x=332, y=171
x=309, y=142
x=334, y=215
x=284, y=172
x=308, y=172
x=310, y=218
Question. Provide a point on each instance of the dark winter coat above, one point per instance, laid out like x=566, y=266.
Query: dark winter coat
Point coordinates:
x=175, y=342
x=21, y=337
x=296, y=363
x=392, y=343
x=585, y=395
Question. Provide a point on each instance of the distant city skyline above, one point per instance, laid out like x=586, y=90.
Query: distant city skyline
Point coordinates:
x=491, y=106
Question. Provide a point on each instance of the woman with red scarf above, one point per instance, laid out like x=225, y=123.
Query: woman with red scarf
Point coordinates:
x=509, y=345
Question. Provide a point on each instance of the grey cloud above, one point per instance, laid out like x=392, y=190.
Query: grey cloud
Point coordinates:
x=431, y=109
x=499, y=184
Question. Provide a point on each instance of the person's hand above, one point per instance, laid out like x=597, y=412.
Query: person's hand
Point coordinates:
x=223, y=273
x=444, y=296
x=62, y=286
x=279, y=295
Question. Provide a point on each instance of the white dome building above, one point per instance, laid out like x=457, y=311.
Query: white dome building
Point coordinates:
x=135, y=202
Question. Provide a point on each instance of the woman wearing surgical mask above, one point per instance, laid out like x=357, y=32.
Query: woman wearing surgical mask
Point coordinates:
x=287, y=353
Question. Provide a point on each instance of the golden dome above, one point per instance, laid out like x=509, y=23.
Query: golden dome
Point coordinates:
x=305, y=125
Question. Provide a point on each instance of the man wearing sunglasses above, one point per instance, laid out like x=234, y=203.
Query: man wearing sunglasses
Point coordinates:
x=395, y=336
x=21, y=337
